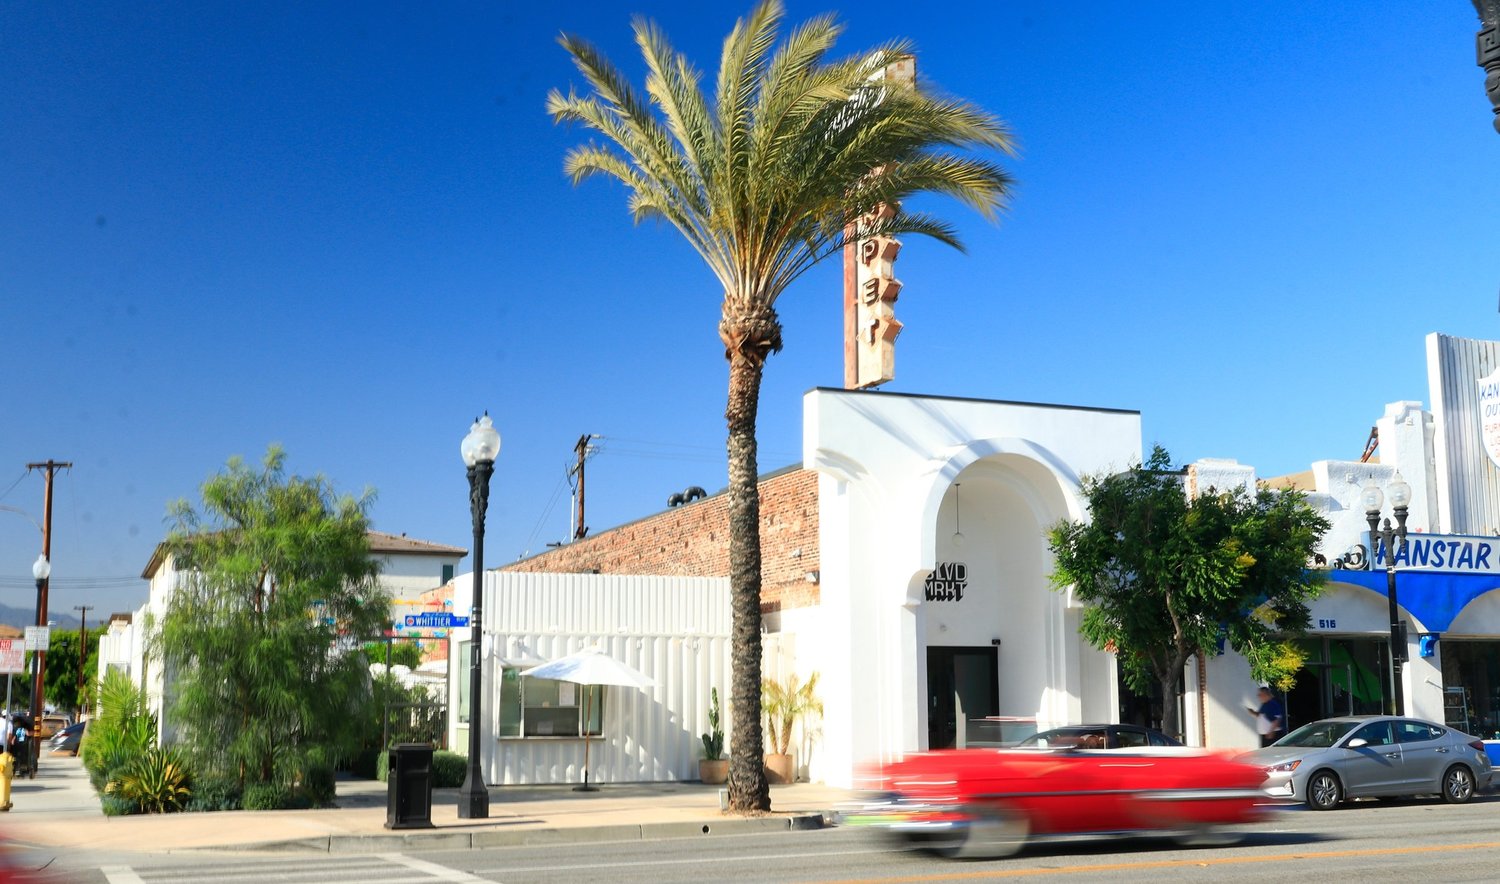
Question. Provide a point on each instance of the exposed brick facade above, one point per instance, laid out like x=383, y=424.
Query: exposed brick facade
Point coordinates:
x=692, y=540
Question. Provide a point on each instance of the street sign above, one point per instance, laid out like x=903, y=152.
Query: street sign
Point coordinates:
x=435, y=620
x=12, y=655
x=38, y=638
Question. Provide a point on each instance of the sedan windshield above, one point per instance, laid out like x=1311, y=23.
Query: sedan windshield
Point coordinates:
x=1318, y=735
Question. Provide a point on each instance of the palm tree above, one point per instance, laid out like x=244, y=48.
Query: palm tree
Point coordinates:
x=791, y=160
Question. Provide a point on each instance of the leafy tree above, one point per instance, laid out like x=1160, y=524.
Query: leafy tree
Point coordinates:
x=1167, y=577
x=768, y=179
x=61, y=676
x=274, y=571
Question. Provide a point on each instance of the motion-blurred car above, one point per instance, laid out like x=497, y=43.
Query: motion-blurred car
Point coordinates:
x=1097, y=736
x=66, y=740
x=1328, y=761
x=989, y=802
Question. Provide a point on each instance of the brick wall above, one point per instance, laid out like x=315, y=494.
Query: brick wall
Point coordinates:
x=693, y=541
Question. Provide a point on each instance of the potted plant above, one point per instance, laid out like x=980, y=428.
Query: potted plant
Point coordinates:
x=784, y=704
x=714, y=768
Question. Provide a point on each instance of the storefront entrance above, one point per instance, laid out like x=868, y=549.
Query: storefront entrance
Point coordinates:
x=1341, y=676
x=962, y=685
x=1471, y=686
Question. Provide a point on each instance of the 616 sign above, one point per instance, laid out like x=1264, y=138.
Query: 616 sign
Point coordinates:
x=946, y=583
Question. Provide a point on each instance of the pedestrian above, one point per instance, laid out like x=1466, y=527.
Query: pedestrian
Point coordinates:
x=6, y=730
x=1270, y=717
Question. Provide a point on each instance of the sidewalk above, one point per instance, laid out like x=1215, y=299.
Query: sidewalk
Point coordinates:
x=58, y=809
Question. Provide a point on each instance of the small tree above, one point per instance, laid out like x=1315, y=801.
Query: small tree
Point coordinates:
x=274, y=571
x=1167, y=577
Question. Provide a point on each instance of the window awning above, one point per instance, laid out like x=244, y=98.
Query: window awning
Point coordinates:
x=1435, y=598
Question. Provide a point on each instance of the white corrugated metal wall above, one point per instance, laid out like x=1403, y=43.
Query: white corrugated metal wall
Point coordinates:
x=673, y=629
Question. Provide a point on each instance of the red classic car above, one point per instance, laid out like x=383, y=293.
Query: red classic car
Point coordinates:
x=988, y=802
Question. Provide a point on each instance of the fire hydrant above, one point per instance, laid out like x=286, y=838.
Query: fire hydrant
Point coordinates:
x=7, y=771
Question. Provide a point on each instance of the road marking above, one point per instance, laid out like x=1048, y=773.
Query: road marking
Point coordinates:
x=442, y=873
x=1179, y=863
x=692, y=861
x=120, y=875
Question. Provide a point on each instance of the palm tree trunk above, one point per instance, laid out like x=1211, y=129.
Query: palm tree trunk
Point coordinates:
x=748, y=789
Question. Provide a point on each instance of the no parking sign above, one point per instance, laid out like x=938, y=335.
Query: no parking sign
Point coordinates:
x=12, y=655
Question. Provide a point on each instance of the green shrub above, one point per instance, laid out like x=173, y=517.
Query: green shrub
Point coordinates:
x=449, y=769
x=156, y=781
x=214, y=794
x=264, y=796
x=114, y=805
x=318, y=785
x=383, y=767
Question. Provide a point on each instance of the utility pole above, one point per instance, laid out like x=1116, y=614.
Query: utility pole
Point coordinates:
x=583, y=450
x=40, y=657
x=83, y=652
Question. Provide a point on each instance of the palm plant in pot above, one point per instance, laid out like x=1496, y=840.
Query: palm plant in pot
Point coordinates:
x=785, y=703
x=714, y=768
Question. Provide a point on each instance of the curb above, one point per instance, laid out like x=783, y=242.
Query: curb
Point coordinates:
x=414, y=841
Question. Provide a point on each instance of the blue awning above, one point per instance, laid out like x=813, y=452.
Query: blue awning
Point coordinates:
x=1433, y=597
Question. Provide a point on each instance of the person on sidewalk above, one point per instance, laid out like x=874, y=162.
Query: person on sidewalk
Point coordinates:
x=1270, y=718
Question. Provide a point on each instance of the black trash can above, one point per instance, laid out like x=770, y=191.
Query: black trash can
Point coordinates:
x=409, y=787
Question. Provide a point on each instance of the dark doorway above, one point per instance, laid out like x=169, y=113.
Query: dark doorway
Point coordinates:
x=966, y=678
x=1340, y=676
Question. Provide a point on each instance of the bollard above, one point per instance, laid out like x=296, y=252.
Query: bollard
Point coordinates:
x=7, y=771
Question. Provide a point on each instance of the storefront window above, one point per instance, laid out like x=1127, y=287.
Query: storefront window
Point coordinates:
x=1471, y=678
x=1340, y=676
x=463, y=682
x=540, y=707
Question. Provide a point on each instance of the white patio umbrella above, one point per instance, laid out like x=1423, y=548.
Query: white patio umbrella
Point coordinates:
x=589, y=667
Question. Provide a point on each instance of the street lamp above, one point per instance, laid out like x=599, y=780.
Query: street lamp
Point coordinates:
x=41, y=569
x=1393, y=543
x=1487, y=47
x=480, y=448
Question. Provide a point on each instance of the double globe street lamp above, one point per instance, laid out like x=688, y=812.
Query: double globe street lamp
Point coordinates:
x=1390, y=543
x=480, y=448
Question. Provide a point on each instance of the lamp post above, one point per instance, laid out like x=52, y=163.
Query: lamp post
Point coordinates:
x=1487, y=48
x=41, y=569
x=479, y=449
x=1392, y=541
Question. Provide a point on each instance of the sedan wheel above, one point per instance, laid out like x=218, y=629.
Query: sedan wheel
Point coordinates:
x=1324, y=791
x=1458, y=784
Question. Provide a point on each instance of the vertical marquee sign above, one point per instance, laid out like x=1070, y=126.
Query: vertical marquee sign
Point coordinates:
x=870, y=284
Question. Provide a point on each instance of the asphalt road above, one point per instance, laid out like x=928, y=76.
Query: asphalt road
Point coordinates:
x=1370, y=841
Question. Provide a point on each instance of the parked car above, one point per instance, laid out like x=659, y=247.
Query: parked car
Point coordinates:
x=989, y=802
x=1329, y=761
x=66, y=741
x=1097, y=736
x=51, y=723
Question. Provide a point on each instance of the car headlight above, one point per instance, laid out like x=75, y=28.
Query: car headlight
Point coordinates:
x=1284, y=767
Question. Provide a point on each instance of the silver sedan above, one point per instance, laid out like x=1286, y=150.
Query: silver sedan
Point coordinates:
x=1328, y=761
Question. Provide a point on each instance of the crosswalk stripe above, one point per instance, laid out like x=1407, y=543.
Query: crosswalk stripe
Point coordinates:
x=120, y=875
x=442, y=873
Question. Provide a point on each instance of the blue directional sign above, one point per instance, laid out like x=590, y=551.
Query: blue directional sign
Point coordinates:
x=435, y=620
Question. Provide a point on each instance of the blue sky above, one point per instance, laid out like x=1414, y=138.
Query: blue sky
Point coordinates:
x=344, y=228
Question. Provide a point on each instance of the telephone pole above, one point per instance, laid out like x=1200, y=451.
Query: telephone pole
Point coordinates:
x=582, y=450
x=40, y=657
x=83, y=652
